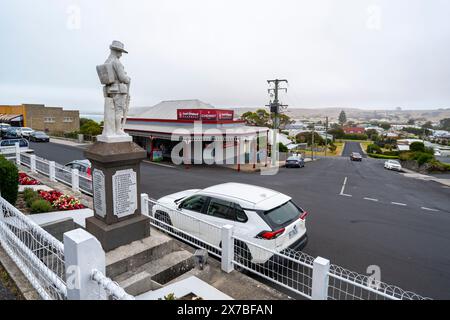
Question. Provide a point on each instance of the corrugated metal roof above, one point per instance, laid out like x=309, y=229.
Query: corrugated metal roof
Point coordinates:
x=9, y=117
x=168, y=109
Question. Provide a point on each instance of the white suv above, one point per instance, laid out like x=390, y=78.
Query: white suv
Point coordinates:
x=393, y=165
x=24, y=132
x=261, y=216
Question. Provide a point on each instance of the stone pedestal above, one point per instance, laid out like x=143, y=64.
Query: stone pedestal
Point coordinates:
x=117, y=216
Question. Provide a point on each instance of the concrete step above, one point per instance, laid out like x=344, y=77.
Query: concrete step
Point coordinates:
x=156, y=273
x=136, y=254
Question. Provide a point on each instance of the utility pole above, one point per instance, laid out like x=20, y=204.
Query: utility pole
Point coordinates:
x=326, y=135
x=275, y=109
x=312, y=142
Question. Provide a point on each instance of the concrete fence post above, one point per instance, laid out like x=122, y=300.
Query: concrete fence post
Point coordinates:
x=51, y=170
x=75, y=180
x=33, y=163
x=83, y=253
x=80, y=138
x=144, y=204
x=227, y=248
x=320, y=278
x=17, y=153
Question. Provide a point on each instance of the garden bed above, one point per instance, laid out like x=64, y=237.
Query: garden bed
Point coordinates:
x=37, y=198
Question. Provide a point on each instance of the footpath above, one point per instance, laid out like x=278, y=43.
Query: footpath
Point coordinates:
x=413, y=174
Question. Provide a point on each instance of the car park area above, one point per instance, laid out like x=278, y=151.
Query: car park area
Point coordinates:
x=377, y=217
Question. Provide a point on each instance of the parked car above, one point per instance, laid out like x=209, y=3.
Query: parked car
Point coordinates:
x=393, y=165
x=3, y=128
x=11, y=133
x=23, y=144
x=295, y=162
x=355, y=156
x=260, y=216
x=37, y=136
x=24, y=132
x=83, y=166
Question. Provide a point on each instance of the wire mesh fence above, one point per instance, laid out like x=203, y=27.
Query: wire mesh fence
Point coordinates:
x=42, y=166
x=349, y=285
x=85, y=183
x=187, y=228
x=109, y=289
x=62, y=174
x=37, y=254
x=25, y=159
x=289, y=269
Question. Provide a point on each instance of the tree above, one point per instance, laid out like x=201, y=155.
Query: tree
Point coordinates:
x=342, y=118
x=307, y=137
x=83, y=121
x=417, y=147
x=445, y=124
x=338, y=133
x=372, y=134
x=284, y=120
x=427, y=125
x=260, y=118
x=411, y=122
x=91, y=127
x=385, y=125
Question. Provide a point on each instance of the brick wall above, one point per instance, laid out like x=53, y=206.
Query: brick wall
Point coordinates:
x=51, y=119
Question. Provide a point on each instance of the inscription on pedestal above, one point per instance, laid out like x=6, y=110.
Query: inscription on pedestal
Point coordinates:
x=124, y=192
x=98, y=186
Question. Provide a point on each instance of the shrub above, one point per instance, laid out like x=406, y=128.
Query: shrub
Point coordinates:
x=30, y=196
x=9, y=182
x=282, y=147
x=332, y=147
x=391, y=153
x=381, y=156
x=436, y=165
x=423, y=157
x=417, y=147
x=41, y=206
x=373, y=148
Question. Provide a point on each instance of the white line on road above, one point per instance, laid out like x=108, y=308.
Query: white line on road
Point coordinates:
x=159, y=164
x=429, y=209
x=343, y=188
x=371, y=199
x=399, y=203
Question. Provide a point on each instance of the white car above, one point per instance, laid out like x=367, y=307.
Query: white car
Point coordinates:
x=393, y=165
x=24, y=132
x=260, y=216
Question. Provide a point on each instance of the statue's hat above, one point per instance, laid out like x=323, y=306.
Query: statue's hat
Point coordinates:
x=117, y=45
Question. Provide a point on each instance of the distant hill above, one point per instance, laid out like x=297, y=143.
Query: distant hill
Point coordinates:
x=360, y=114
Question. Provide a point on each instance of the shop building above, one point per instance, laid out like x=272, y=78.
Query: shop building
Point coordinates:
x=197, y=132
x=39, y=117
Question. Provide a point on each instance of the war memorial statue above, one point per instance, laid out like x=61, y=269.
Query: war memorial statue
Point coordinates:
x=115, y=158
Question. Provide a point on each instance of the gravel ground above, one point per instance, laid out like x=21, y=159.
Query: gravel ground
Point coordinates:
x=5, y=285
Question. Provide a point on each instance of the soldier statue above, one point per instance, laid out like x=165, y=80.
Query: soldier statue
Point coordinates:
x=116, y=91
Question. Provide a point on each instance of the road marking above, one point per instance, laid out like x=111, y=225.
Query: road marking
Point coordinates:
x=159, y=164
x=399, y=203
x=429, y=209
x=371, y=199
x=343, y=188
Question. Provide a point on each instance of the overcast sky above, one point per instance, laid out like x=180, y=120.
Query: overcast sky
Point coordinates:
x=335, y=53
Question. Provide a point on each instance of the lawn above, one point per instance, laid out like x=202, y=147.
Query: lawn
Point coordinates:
x=337, y=152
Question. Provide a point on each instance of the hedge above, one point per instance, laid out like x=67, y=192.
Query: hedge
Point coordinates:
x=381, y=156
x=9, y=182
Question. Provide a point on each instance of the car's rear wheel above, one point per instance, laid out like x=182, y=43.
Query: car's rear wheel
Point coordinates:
x=243, y=256
x=163, y=221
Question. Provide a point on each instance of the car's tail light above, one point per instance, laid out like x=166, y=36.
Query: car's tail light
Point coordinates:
x=303, y=215
x=89, y=171
x=270, y=235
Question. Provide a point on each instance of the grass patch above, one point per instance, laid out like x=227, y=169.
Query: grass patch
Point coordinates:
x=9, y=284
x=381, y=156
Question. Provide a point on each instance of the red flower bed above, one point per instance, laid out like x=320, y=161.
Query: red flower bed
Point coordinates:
x=61, y=201
x=25, y=180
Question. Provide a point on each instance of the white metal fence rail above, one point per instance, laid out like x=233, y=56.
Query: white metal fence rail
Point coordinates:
x=37, y=254
x=312, y=278
x=78, y=181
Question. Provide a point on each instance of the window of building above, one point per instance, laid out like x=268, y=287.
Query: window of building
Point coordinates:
x=68, y=119
x=49, y=119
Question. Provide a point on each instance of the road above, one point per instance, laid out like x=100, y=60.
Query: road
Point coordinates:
x=377, y=217
x=352, y=147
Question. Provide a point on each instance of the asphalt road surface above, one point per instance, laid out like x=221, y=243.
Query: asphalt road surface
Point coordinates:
x=359, y=213
x=352, y=147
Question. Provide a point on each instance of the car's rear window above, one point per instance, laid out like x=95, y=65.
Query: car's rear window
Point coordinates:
x=283, y=214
